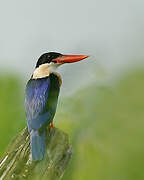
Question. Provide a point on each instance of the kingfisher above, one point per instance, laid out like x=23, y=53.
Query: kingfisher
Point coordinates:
x=41, y=97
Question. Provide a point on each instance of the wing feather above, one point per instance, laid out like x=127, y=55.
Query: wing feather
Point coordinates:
x=37, y=94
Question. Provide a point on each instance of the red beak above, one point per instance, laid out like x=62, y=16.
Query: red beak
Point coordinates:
x=69, y=58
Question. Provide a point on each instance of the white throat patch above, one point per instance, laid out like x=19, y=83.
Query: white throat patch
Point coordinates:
x=44, y=70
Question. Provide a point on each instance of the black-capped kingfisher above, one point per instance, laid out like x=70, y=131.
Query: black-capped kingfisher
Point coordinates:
x=41, y=98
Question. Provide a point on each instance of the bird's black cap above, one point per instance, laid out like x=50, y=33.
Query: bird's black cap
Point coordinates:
x=47, y=58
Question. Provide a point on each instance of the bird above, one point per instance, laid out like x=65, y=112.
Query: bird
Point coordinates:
x=41, y=97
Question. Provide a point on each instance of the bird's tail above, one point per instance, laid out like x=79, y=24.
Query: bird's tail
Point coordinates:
x=38, y=145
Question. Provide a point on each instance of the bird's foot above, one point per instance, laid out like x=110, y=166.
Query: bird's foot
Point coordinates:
x=51, y=125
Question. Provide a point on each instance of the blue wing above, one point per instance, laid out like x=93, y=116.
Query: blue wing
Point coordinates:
x=36, y=98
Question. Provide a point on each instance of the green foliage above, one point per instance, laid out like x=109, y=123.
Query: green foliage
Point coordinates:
x=11, y=109
x=105, y=126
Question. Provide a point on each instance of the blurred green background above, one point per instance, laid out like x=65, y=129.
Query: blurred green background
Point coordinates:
x=105, y=124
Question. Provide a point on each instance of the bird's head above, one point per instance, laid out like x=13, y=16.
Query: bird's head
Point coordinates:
x=48, y=62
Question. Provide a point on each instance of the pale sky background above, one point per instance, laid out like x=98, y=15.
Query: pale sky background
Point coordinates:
x=110, y=31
